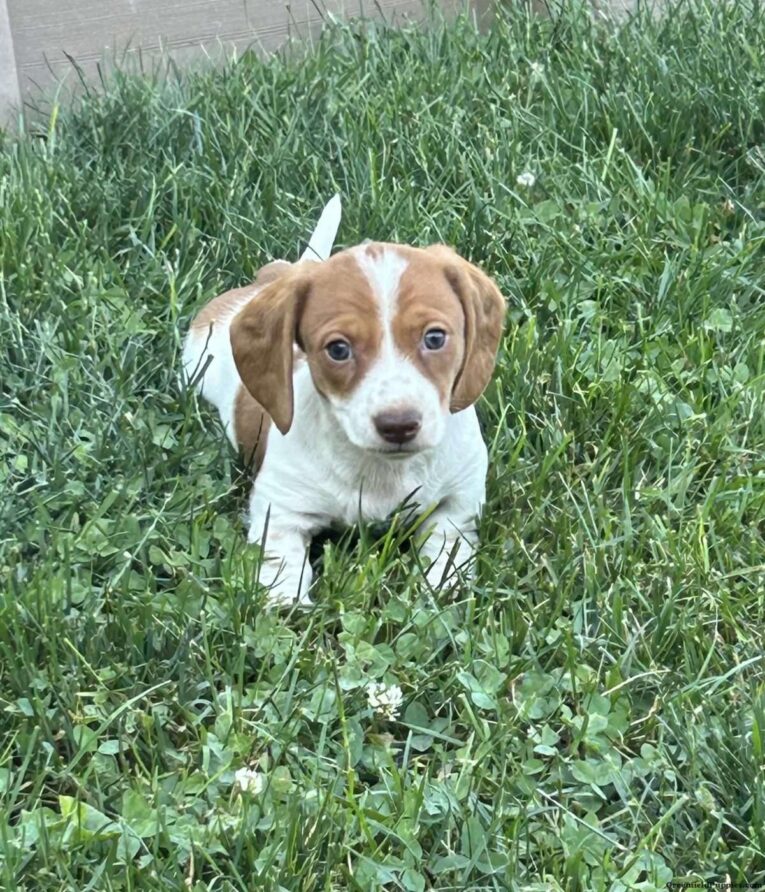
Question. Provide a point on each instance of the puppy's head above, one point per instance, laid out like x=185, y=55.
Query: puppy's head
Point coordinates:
x=396, y=338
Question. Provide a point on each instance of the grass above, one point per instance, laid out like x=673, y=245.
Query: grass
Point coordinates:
x=590, y=714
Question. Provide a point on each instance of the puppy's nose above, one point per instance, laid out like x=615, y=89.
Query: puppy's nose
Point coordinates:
x=398, y=427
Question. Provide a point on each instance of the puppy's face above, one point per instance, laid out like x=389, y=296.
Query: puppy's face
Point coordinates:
x=396, y=338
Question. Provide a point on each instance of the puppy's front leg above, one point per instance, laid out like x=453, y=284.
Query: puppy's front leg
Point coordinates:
x=284, y=541
x=452, y=542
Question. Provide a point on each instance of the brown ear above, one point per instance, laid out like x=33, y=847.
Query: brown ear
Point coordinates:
x=262, y=340
x=484, y=309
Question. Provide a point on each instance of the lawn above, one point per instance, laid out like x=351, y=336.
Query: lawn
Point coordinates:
x=589, y=714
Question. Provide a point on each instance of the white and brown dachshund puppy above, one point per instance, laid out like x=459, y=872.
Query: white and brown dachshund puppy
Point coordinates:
x=350, y=382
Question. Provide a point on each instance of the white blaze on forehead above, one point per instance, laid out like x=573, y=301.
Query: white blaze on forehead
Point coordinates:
x=383, y=270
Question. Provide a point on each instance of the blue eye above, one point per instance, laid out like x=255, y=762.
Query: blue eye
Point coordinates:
x=434, y=339
x=339, y=351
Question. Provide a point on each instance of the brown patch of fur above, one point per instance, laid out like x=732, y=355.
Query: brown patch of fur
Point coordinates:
x=262, y=338
x=222, y=306
x=426, y=300
x=484, y=312
x=375, y=250
x=272, y=271
x=230, y=301
x=251, y=425
x=340, y=305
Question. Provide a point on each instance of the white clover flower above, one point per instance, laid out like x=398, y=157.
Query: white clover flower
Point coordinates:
x=526, y=179
x=385, y=699
x=250, y=781
x=537, y=69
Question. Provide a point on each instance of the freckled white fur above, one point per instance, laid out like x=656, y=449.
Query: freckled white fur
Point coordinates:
x=323, y=470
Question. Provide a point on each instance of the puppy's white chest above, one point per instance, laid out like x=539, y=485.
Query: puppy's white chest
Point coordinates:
x=373, y=492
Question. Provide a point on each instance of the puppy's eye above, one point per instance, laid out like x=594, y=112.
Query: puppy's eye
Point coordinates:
x=339, y=351
x=434, y=339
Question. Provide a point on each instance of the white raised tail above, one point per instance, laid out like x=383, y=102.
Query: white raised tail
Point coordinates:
x=321, y=242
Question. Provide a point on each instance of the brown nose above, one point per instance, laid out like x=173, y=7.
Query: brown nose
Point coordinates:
x=398, y=427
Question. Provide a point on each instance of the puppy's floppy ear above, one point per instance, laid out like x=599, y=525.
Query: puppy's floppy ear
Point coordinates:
x=262, y=339
x=484, y=309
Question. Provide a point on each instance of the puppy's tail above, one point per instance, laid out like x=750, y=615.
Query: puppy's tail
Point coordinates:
x=323, y=238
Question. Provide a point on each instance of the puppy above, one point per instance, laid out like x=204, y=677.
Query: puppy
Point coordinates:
x=349, y=382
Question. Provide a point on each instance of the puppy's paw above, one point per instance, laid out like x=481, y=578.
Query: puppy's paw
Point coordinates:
x=435, y=572
x=287, y=582
x=447, y=569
